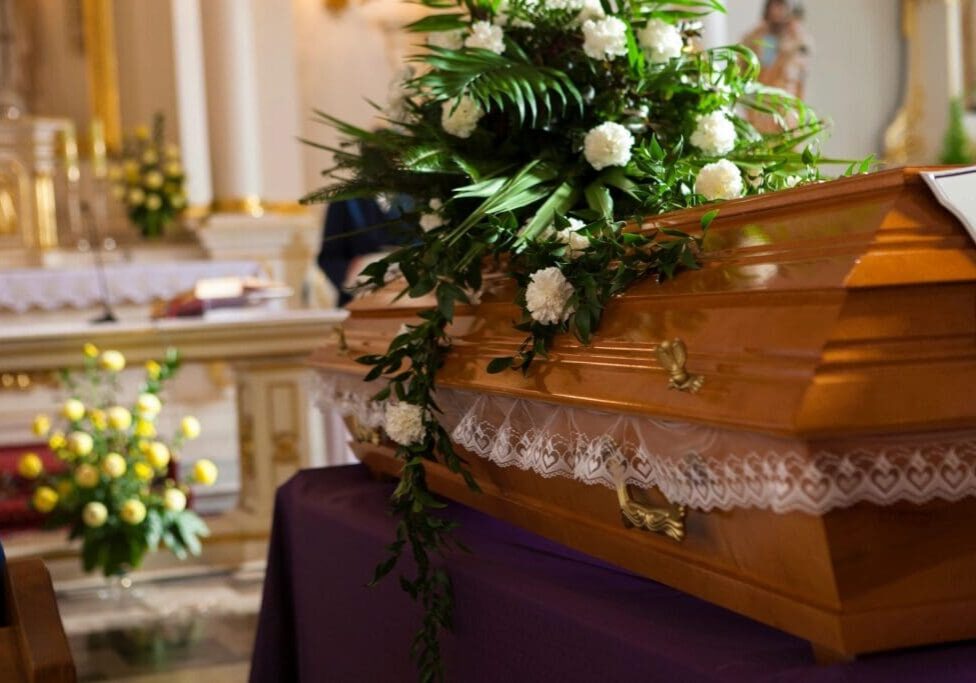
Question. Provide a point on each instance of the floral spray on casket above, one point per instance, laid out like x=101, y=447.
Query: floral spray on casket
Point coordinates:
x=538, y=133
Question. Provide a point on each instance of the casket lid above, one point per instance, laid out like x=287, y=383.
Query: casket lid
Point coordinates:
x=819, y=312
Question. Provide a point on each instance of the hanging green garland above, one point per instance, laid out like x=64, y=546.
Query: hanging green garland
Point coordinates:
x=533, y=132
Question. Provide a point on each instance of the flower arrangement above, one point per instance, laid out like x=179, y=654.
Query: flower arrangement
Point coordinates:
x=150, y=179
x=115, y=493
x=537, y=135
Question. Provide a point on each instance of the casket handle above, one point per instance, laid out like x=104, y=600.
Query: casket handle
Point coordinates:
x=669, y=521
x=673, y=355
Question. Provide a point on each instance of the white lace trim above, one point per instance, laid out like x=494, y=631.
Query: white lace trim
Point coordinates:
x=699, y=466
x=133, y=283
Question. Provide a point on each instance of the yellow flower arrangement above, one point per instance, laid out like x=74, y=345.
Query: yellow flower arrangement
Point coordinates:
x=116, y=493
x=150, y=180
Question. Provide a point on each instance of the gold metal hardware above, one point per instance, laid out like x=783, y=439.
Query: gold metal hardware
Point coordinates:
x=673, y=355
x=669, y=521
x=341, y=340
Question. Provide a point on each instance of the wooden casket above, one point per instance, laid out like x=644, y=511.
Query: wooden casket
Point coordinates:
x=822, y=479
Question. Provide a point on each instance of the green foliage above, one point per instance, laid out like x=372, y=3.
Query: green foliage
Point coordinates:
x=517, y=189
x=956, y=147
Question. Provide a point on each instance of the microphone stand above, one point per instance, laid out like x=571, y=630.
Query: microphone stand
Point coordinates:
x=108, y=316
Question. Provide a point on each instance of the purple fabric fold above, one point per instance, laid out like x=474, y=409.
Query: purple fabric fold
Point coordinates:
x=526, y=609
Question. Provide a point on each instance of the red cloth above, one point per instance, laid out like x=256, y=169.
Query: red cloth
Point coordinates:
x=15, y=510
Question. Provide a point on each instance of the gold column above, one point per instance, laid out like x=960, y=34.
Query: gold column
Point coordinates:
x=103, y=69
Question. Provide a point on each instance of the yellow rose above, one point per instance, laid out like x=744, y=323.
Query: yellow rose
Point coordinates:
x=178, y=200
x=173, y=169
x=150, y=157
x=41, y=425
x=119, y=192
x=153, y=180
x=115, y=173
x=145, y=429
x=86, y=476
x=158, y=455
x=90, y=350
x=114, y=465
x=113, y=361
x=57, y=441
x=133, y=512
x=136, y=196
x=154, y=202
x=80, y=443
x=119, y=418
x=65, y=487
x=141, y=132
x=174, y=500
x=153, y=369
x=205, y=472
x=30, y=466
x=143, y=471
x=45, y=499
x=171, y=151
x=94, y=514
x=73, y=410
x=190, y=427
x=98, y=419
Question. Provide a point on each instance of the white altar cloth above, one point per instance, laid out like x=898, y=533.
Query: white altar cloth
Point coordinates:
x=51, y=289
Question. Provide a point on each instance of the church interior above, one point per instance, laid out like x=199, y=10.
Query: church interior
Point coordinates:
x=487, y=340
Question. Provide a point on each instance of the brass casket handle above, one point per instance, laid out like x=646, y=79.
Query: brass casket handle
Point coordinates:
x=673, y=355
x=667, y=521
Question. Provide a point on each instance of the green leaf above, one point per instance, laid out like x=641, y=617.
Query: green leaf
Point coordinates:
x=498, y=365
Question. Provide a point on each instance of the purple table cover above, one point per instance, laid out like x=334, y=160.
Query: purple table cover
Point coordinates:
x=526, y=609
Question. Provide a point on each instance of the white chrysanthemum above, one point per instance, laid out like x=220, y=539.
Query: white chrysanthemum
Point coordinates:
x=608, y=144
x=448, y=40
x=576, y=242
x=591, y=10
x=547, y=296
x=404, y=423
x=605, y=38
x=661, y=41
x=714, y=134
x=460, y=117
x=721, y=180
x=433, y=219
x=486, y=36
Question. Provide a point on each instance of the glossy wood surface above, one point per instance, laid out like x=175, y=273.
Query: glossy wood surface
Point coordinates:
x=822, y=314
x=33, y=647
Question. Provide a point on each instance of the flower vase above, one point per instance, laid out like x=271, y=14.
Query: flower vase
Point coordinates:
x=153, y=226
x=119, y=590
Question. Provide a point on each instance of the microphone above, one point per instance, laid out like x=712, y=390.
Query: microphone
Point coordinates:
x=108, y=316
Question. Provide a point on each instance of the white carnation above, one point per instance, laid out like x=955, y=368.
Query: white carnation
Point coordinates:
x=605, y=38
x=486, y=36
x=608, y=144
x=460, y=117
x=662, y=41
x=404, y=423
x=547, y=296
x=714, y=134
x=720, y=180
x=563, y=5
x=591, y=9
x=448, y=40
x=576, y=242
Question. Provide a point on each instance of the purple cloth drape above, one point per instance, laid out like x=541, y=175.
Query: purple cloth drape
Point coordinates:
x=526, y=610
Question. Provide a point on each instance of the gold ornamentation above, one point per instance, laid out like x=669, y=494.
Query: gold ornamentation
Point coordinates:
x=341, y=343
x=669, y=521
x=673, y=355
x=103, y=69
x=46, y=220
x=362, y=433
x=249, y=204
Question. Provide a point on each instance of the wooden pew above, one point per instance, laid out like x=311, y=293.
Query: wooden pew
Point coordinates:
x=33, y=647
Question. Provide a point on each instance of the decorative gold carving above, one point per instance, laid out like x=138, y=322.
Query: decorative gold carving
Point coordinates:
x=103, y=69
x=669, y=521
x=285, y=447
x=25, y=381
x=46, y=220
x=341, y=343
x=250, y=205
x=673, y=355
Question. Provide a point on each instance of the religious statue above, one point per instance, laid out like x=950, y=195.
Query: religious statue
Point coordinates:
x=783, y=46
